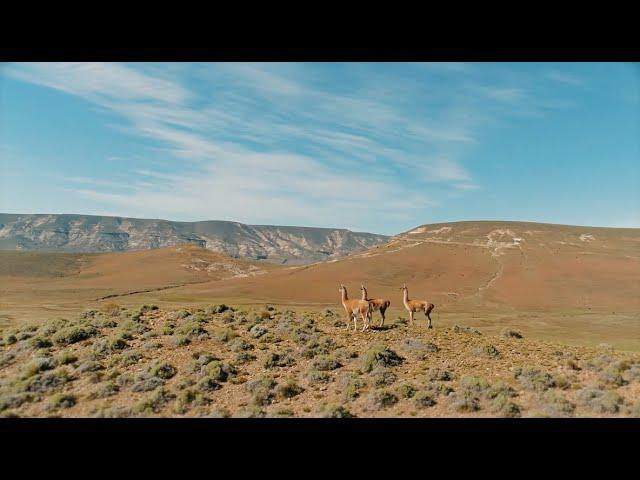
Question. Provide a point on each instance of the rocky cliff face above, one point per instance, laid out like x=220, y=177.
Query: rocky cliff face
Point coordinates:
x=86, y=233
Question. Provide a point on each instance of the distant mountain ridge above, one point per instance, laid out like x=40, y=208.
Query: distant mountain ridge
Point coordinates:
x=89, y=233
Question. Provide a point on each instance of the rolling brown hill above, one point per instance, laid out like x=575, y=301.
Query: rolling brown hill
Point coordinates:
x=490, y=264
x=36, y=285
x=561, y=282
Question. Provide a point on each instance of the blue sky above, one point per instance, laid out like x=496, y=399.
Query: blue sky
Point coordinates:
x=380, y=147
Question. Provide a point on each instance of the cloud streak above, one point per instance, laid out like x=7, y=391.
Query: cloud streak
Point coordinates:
x=267, y=143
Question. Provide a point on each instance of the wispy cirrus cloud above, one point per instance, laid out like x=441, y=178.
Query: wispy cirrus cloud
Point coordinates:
x=269, y=143
x=565, y=78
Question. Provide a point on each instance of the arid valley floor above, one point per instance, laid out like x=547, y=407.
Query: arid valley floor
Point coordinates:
x=530, y=320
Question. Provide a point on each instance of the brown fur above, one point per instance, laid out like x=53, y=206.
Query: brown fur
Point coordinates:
x=380, y=304
x=413, y=306
x=355, y=307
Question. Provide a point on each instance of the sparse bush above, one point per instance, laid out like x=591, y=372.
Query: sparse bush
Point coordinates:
x=191, y=329
x=244, y=357
x=62, y=400
x=154, y=345
x=134, y=326
x=554, y=404
x=464, y=401
x=14, y=400
x=335, y=411
x=147, y=308
x=500, y=389
x=614, y=374
x=168, y=328
x=283, y=412
x=461, y=329
x=71, y=335
x=89, y=366
x=419, y=348
x=239, y=345
x=602, y=402
x=502, y=405
x=382, y=376
x=180, y=314
x=111, y=309
x=438, y=388
x=224, y=334
x=180, y=340
x=105, y=389
x=325, y=363
x=102, y=322
x=475, y=385
x=273, y=359
x=632, y=373
x=219, y=412
x=109, y=345
x=257, y=331
x=37, y=365
x=318, y=345
x=261, y=390
x=186, y=398
x=534, y=379
x=423, y=399
x=407, y=390
x=350, y=384
x=212, y=309
x=379, y=399
x=572, y=364
x=208, y=384
x=345, y=354
x=436, y=373
x=635, y=410
x=251, y=411
x=219, y=371
x=52, y=326
x=487, y=351
x=66, y=358
x=125, y=379
x=146, y=383
x=155, y=402
x=380, y=356
x=289, y=389
x=40, y=342
x=127, y=359
x=114, y=412
x=162, y=370
x=508, y=333
x=315, y=377
x=7, y=359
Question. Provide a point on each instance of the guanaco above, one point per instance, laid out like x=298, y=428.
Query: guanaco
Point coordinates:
x=355, y=307
x=380, y=304
x=416, y=305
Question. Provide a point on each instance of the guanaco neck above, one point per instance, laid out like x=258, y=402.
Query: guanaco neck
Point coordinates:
x=405, y=296
x=344, y=295
x=364, y=293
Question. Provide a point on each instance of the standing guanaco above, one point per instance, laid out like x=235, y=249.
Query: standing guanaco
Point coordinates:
x=380, y=304
x=413, y=306
x=355, y=307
